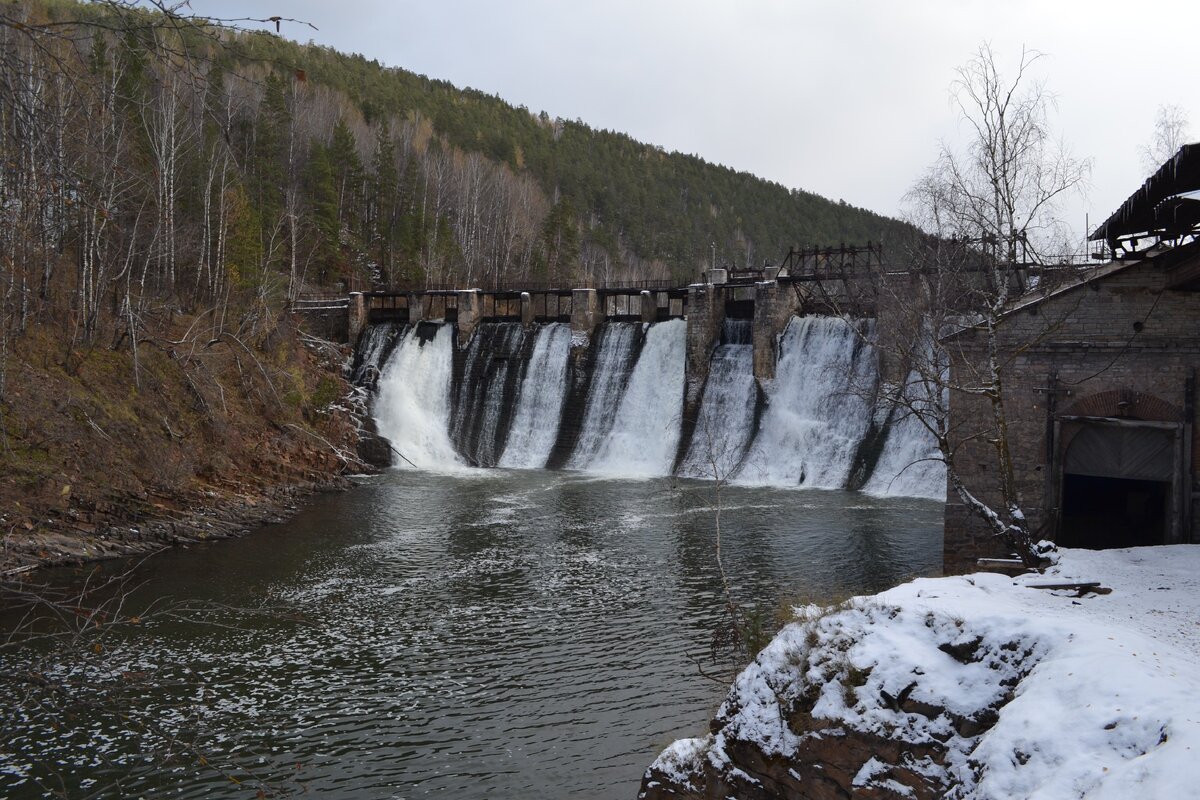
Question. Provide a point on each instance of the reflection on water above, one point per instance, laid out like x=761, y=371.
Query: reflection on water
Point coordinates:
x=494, y=635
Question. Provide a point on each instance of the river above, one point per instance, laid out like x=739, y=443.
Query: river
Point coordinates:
x=489, y=634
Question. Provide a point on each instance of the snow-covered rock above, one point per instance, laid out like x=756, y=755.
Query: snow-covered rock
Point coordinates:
x=978, y=686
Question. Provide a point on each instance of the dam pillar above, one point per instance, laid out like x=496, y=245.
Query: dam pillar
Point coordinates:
x=649, y=307
x=356, y=316
x=893, y=328
x=469, y=308
x=585, y=311
x=774, y=305
x=416, y=308
x=526, y=309
x=705, y=314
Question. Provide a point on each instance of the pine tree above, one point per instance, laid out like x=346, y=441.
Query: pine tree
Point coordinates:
x=384, y=197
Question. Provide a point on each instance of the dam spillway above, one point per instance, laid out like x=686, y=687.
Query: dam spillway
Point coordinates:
x=615, y=401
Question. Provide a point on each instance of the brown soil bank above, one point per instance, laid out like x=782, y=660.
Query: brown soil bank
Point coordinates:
x=198, y=432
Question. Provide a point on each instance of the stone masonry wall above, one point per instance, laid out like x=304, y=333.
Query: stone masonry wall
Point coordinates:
x=705, y=315
x=774, y=305
x=1122, y=344
x=332, y=324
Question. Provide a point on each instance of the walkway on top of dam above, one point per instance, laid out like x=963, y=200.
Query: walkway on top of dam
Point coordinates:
x=832, y=271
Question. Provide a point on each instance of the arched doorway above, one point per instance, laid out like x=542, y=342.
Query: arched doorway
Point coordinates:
x=1121, y=484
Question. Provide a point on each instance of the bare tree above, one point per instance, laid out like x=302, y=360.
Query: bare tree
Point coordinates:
x=990, y=212
x=1171, y=132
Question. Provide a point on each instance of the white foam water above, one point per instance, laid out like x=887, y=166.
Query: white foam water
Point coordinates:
x=910, y=464
x=645, y=433
x=604, y=392
x=816, y=412
x=412, y=410
x=374, y=346
x=540, y=400
x=726, y=419
x=816, y=418
x=494, y=355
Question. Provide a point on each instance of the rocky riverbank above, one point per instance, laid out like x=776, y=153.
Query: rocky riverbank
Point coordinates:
x=217, y=516
x=107, y=453
x=980, y=686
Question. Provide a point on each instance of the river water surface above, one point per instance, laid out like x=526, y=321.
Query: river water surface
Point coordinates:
x=497, y=634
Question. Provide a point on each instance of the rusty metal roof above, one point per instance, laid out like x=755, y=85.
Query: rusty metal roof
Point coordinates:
x=1160, y=207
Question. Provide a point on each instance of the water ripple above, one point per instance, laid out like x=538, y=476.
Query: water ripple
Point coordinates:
x=510, y=634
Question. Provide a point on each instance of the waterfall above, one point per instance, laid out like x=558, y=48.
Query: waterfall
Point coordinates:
x=540, y=400
x=484, y=401
x=816, y=412
x=645, y=432
x=373, y=351
x=726, y=422
x=617, y=345
x=521, y=398
x=412, y=410
x=910, y=464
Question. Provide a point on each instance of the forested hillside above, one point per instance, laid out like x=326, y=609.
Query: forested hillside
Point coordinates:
x=193, y=160
x=607, y=205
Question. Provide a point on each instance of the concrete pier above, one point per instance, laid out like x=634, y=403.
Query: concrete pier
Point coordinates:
x=706, y=313
x=585, y=311
x=774, y=305
x=357, y=313
x=469, y=309
x=526, y=309
x=649, y=307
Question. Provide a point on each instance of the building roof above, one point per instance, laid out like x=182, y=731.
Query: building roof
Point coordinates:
x=1181, y=265
x=1165, y=205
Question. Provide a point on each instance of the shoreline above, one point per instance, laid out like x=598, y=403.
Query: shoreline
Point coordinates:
x=213, y=516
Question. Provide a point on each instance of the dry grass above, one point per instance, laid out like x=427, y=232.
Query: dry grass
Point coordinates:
x=87, y=442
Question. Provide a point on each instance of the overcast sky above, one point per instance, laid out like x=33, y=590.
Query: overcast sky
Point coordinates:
x=847, y=98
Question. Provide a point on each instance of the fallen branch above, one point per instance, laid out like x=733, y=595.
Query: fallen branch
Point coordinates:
x=95, y=427
x=397, y=452
x=1090, y=587
x=257, y=363
x=345, y=458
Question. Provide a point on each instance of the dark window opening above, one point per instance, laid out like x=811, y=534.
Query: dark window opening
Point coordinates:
x=1101, y=513
x=739, y=309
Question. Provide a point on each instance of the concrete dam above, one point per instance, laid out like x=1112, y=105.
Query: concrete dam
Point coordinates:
x=752, y=384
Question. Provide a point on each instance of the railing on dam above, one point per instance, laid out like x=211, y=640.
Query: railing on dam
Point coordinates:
x=816, y=280
x=627, y=301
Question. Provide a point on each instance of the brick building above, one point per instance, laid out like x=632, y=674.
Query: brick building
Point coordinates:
x=1101, y=389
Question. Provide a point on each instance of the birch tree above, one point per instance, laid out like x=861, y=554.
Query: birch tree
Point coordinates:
x=991, y=211
x=1170, y=133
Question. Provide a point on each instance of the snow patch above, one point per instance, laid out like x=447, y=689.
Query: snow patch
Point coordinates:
x=1030, y=693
